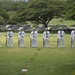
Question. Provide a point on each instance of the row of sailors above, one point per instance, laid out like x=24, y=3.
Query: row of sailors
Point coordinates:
x=33, y=35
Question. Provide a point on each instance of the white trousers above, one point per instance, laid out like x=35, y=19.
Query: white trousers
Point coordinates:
x=46, y=42
x=61, y=42
x=72, y=42
x=9, y=42
x=21, y=42
x=33, y=42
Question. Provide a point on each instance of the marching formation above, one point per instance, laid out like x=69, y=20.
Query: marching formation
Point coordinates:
x=33, y=38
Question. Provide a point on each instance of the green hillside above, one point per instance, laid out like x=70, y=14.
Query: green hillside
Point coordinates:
x=61, y=21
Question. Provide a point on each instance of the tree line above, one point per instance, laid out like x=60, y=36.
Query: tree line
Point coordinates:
x=36, y=11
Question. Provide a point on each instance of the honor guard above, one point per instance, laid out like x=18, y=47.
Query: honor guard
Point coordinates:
x=21, y=35
x=9, y=35
x=46, y=35
x=33, y=35
x=60, y=37
x=72, y=37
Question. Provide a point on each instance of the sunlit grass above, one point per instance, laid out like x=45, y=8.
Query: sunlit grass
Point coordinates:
x=39, y=61
x=61, y=21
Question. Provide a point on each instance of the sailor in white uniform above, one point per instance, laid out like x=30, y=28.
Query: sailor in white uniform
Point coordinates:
x=72, y=37
x=9, y=35
x=60, y=37
x=33, y=38
x=21, y=35
x=46, y=35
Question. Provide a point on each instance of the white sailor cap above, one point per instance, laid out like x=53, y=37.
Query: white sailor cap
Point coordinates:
x=20, y=28
x=74, y=28
x=46, y=28
x=60, y=27
x=9, y=29
x=33, y=28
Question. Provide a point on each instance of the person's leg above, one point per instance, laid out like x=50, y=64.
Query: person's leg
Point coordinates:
x=8, y=42
x=35, y=43
x=59, y=40
x=32, y=42
x=62, y=42
x=23, y=42
x=72, y=45
x=11, y=44
x=45, y=42
x=20, y=43
x=48, y=44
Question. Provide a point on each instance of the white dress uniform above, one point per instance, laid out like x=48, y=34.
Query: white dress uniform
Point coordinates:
x=9, y=38
x=60, y=37
x=21, y=35
x=72, y=38
x=33, y=36
x=46, y=35
x=0, y=39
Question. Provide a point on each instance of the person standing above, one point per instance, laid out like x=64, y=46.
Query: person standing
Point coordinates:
x=60, y=37
x=46, y=35
x=72, y=37
x=33, y=40
x=9, y=35
x=21, y=35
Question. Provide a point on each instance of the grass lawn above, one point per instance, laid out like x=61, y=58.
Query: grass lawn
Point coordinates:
x=38, y=61
x=61, y=21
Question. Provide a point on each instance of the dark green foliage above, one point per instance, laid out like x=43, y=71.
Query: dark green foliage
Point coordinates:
x=36, y=11
x=11, y=6
x=71, y=10
x=3, y=16
x=41, y=11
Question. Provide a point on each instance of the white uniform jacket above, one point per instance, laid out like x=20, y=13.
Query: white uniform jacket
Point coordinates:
x=72, y=34
x=33, y=34
x=60, y=34
x=9, y=34
x=21, y=34
x=46, y=34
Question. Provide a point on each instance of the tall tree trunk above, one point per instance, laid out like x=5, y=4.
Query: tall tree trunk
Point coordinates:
x=45, y=25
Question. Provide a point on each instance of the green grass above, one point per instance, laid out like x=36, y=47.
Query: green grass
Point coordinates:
x=39, y=61
x=58, y=21
x=61, y=21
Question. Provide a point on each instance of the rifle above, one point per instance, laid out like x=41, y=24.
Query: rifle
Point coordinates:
x=43, y=42
x=57, y=41
x=6, y=40
x=30, y=42
x=71, y=41
x=18, y=42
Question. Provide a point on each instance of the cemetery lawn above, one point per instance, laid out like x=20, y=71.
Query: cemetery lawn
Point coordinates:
x=38, y=61
x=61, y=21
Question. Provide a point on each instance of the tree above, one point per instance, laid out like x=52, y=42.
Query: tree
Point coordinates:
x=41, y=11
x=3, y=15
x=11, y=5
x=1, y=20
x=70, y=14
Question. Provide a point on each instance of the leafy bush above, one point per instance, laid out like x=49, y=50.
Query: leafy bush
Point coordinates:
x=2, y=20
